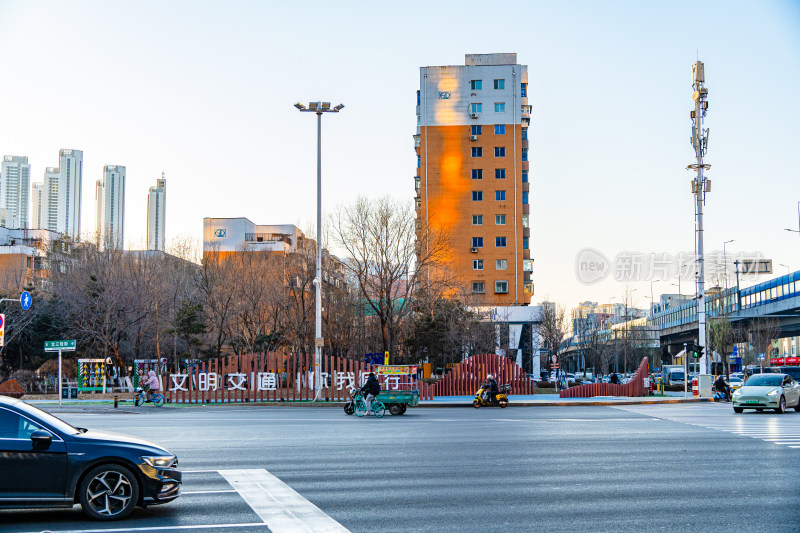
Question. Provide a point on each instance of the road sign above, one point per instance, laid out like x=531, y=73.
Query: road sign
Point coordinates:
x=2, y=330
x=59, y=346
x=25, y=300
x=555, y=358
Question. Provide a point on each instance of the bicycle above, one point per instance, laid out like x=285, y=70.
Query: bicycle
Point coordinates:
x=360, y=407
x=140, y=398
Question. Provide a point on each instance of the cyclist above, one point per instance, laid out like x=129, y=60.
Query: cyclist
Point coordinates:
x=153, y=385
x=370, y=390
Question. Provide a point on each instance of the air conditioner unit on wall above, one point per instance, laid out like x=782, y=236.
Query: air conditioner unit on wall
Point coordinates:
x=473, y=250
x=473, y=115
x=473, y=137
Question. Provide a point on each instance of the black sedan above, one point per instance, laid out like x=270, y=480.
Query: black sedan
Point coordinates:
x=45, y=462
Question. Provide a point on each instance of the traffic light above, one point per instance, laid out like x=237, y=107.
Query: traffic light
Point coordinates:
x=697, y=351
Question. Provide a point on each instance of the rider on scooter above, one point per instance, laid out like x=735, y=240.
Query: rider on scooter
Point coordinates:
x=491, y=388
x=723, y=387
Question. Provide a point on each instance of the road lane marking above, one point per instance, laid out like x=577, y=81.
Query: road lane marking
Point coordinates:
x=279, y=505
x=184, y=493
x=155, y=528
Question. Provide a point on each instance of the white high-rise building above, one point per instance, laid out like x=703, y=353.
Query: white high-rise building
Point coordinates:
x=156, y=211
x=69, y=192
x=15, y=180
x=49, y=215
x=110, y=207
x=37, y=187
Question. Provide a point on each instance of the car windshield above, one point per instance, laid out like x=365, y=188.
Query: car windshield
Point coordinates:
x=765, y=380
x=46, y=418
x=676, y=375
x=736, y=380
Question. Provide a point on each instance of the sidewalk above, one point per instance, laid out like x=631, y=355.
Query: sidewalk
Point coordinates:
x=537, y=400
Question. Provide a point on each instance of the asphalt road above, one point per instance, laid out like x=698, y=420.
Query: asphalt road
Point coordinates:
x=696, y=467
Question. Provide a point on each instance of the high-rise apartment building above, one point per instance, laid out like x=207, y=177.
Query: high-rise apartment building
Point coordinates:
x=15, y=180
x=36, y=204
x=156, y=211
x=68, y=216
x=110, y=207
x=49, y=214
x=473, y=172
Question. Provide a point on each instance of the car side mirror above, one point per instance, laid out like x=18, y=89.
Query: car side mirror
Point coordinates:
x=41, y=439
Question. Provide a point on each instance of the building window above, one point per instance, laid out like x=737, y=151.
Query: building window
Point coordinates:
x=499, y=85
x=499, y=151
x=477, y=196
x=501, y=286
x=477, y=242
x=499, y=242
x=477, y=220
x=524, y=221
x=499, y=173
x=524, y=176
x=499, y=129
x=477, y=173
x=524, y=197
x=475, y=108
x=524, y=134
x=477, y=287
x=524, y=155
x=525, y=242
x=501, y=264
x=476, y=130
x=419, y=161
x=500, y=220
x=477, y=264
x=500, y=196
x=476, y=85
x=499, y=107
x=477, y=151
x=418, y=98
x=523, y=90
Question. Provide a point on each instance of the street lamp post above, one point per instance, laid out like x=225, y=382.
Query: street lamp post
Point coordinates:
x=319, y=108
x=725, y=263
x=788, y=270
x=798, y=221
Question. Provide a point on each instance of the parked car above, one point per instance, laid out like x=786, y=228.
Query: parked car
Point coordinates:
x=767, y=391
x=49, y=463
x=735, y=383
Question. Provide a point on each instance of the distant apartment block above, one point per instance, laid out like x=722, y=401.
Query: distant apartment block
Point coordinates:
x=110, y=208
x=49, y=214
x=156, y=213
x=37, y=188
x=15, y=179
x=473, y=173
x=68, y=205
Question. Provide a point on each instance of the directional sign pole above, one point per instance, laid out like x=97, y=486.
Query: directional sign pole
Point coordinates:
x=59, y=378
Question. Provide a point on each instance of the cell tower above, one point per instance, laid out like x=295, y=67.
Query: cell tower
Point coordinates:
x=700, y=186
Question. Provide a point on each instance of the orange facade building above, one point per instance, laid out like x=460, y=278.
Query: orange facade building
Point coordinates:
x=473, y=174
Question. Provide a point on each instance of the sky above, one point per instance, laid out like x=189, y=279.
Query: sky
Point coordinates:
x=204, y=92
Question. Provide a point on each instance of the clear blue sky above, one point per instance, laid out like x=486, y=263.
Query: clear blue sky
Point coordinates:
x=204, y=92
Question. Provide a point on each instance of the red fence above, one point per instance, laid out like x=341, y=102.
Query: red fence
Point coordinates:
x=466, y=377
x=635, y=387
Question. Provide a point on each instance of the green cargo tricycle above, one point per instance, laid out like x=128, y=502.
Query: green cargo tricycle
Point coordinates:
x=395, y=401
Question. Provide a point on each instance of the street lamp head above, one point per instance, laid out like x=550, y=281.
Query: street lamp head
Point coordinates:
x=299, y=106
x=313, y=106
x=326, y=106
x=339, y=107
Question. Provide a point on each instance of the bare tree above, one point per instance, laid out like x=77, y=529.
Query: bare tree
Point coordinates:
x=389, y=261
x=762, y=331
x=720, y=339
x=553, y=327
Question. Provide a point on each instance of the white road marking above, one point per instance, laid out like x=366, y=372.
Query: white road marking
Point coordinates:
x=278, y=505
x=207, y=492
x=158, y=528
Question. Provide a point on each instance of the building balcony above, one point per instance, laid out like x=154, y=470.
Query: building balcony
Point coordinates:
x=416, y=141
x=417, y=184
x=526, y=165
x=524, y=144
x=526, y=209
x=417, y=202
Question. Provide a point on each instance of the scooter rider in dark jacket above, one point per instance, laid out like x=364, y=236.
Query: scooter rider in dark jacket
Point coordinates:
x=370, y=390
x=723, y=387
x=493, y=389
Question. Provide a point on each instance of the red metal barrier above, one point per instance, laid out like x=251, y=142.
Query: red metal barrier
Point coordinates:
x=465, y=378
x=635, y=387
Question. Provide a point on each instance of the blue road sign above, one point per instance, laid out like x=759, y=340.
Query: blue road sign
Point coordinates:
x=25, y=300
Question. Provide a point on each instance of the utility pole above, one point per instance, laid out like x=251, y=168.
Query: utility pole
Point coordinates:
x=700, y=186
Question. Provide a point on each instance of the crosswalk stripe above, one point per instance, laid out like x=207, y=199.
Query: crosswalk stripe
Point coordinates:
x=279, y=505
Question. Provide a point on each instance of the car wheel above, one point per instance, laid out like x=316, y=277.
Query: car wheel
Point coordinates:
x=781, y=406
x=738, y=409
x=348, y=408
x=109, y=492
x=797, y=407
x=395, y=409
